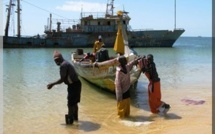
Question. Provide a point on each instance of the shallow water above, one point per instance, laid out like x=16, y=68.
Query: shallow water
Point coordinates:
x=185, y=72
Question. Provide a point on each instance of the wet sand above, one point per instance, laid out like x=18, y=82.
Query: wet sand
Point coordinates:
x=44, y=112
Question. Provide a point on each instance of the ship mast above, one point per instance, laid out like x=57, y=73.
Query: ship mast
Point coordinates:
x=18, y=19
x=8, y=18
x=175, y=14
x=109, y=8
x=11, y=4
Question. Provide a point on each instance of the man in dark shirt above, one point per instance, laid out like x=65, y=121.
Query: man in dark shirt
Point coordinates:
x=154, y=91
x=102, y=54
x=69, y=76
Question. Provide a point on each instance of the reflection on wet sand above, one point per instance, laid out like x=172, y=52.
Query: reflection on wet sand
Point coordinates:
x=85, y=126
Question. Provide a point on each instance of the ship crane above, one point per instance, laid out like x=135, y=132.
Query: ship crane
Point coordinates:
x=9, y=12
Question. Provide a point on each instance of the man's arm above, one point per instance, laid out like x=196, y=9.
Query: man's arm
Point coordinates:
x=50, y=85
x=63, y=74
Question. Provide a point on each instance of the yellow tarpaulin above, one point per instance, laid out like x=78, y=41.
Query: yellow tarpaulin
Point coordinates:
x=121, y=42
x=119, y=45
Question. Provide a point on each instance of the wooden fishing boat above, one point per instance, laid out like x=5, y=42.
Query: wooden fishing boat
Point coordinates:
x=102, y=73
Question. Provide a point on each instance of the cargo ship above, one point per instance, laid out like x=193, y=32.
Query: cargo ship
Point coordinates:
x=85, y=31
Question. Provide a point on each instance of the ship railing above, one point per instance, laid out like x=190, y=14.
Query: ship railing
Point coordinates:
x=28, y=36
x=64, y=28
x=92, y=15
x=148, y=29
x=97, y=15
x=63, y=22
x=66, y=21
x=179, y=29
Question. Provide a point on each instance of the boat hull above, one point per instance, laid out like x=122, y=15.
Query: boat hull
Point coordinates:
x=154, y=38
x=103, y=76
x=147, y=38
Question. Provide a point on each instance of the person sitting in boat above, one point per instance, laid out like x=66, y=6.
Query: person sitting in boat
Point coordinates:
x=98, y=44
x=89, y=56
x=102, y=54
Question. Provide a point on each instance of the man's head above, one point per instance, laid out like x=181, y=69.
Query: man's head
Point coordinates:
x=58, y=58
x=150, y=58
x=100, y=38
x=122, y=60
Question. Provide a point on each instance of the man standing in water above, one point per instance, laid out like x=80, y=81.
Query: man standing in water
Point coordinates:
x=154, y=91
x=69, y=76
x=122, y=84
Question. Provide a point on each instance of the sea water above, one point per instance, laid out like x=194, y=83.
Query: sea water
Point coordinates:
x=186, y=77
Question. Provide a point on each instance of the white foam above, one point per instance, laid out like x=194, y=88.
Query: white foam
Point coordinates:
x=135, y=124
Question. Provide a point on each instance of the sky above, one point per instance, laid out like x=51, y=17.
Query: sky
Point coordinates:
x=195, y=16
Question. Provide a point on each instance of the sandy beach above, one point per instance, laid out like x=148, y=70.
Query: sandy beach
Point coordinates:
x=191, y=116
